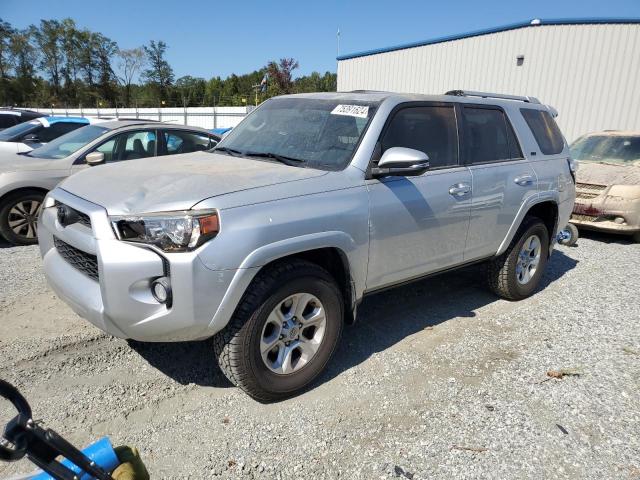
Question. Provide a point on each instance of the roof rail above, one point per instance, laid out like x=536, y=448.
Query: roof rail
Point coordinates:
x=469, y=93
x=366, y=91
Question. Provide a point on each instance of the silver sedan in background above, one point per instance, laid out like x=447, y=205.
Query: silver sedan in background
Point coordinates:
x=26, y=177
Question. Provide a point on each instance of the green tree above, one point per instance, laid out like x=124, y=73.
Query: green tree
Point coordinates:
x=131, y=62
x=213, y=91
x=104, y=50
x=281, y=75
x=190, y=90
x=70, y=43
x=48, y=38
x=6, y=61
x=159, y=73
x=25, y=58
x=6, y=58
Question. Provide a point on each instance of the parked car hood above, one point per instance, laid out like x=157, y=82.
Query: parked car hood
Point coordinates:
x=14, y=162
x=8, y=147
x=608, y=174
x=177, y=182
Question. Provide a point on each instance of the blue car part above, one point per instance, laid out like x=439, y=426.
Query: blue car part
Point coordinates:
x=220, y=131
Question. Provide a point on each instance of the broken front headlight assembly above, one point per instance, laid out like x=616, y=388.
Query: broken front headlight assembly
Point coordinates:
x=170, y=231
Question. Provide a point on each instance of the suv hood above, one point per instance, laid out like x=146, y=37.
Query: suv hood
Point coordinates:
x=176, y=182
x=608, y=174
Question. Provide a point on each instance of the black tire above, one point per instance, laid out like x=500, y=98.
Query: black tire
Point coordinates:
x=237, y=347
x=7, y=215
x=636, y=237
x=501, y=271
x=573, y=235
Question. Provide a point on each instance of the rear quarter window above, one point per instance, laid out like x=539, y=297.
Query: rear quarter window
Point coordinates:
x=545, y=130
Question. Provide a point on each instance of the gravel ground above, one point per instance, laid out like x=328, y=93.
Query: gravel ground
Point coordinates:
x=438, y=379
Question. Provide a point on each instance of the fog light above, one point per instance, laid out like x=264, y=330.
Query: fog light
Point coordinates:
x=161, y=290
x=619, y=220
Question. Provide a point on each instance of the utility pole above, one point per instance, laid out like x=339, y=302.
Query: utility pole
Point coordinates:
x=338, y=43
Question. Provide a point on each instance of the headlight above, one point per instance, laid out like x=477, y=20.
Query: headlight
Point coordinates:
x=169, y=231
x=627, y=192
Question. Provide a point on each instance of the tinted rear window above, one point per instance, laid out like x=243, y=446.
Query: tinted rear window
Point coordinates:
x=545, y=130
x=489, y=136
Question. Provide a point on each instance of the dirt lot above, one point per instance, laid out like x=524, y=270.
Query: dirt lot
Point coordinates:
x=438, y=380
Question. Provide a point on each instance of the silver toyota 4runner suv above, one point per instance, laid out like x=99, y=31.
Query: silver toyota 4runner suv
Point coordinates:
x=270, y=241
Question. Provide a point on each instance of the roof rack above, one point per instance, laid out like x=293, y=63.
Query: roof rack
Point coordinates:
x=469, y=93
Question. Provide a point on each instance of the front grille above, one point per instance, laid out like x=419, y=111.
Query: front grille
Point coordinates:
x=583, y=218
x=84, y=219
x=585, y=195
x=83, y=261
x=590, y=186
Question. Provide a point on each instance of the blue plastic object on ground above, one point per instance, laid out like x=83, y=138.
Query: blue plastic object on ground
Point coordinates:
x=100, y=452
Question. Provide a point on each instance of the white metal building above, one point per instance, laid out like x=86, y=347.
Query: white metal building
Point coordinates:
x=588, y=69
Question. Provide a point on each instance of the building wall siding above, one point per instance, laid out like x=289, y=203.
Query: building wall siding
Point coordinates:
x=590, y=73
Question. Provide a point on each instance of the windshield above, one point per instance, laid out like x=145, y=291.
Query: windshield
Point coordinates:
x=314, y=133
x=70, y=143
x=12, y=133
x=621, y=149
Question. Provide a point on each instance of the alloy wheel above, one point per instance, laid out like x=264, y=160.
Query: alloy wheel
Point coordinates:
x=528, y=259
x=293, y=333
x=23, y=218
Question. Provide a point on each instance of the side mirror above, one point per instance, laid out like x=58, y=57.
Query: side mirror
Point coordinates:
x=94, y=158
x=31, y=138
x=402, y=162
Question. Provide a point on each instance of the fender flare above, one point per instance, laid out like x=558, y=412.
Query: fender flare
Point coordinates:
x=265, y=254
x=540, y=197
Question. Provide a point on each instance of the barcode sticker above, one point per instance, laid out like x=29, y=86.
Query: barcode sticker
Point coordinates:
x=359, y=111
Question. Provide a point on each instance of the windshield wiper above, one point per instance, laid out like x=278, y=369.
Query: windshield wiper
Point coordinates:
x=291, y=161
x=231, y=151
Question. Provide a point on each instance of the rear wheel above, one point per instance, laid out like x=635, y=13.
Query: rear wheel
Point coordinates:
x=284, y=331
x=19, y=217
x=516, y=273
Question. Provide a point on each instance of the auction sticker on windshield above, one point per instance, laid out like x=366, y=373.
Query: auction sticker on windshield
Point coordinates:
x=360, y=111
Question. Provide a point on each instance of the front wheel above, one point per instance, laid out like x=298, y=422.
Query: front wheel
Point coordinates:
x=19, y=217
x=516, y=273
x=284, y=331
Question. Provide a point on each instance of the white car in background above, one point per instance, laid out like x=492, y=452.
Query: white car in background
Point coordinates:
x=27, y=136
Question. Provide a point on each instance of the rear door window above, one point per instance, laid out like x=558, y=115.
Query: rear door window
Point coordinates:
x=177, y=141
x=129, y=146
x=429, y=129
x=489, y=136
x=545, y=130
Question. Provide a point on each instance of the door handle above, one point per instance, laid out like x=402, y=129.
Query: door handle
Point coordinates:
x=459, y=189
x=523, y=180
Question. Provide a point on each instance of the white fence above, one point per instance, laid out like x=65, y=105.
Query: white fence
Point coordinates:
x=205, y=117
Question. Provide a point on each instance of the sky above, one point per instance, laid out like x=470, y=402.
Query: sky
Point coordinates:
x=207, y=38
